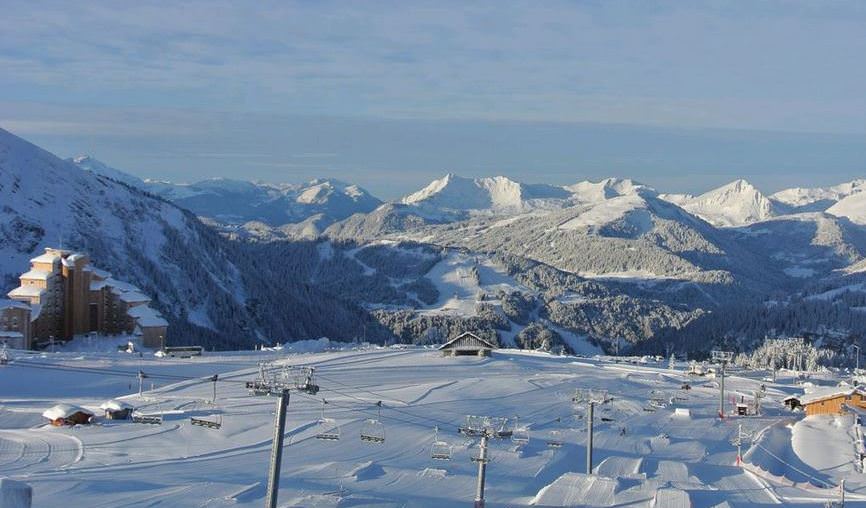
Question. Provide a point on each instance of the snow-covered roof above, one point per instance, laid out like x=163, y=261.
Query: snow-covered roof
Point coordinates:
x=12, y=304
x=96, y=285
x=26, y=291
x=119, y=287
x=35, y=311
x=467, y=335
x=818, y=394
x=9, y=334
x=45, y=258
x=99, y=273
x=145, y=316
x=35, y=275
x=114, y=405
x=134, y=297
x=63, y=411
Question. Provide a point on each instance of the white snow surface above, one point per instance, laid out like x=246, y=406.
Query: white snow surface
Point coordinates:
x=659, y=460
x=734, y=204
x=853, y=207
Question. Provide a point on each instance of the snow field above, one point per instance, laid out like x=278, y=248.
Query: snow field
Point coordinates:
x=641, y=457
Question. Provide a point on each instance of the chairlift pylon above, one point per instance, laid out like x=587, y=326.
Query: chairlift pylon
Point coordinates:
x=328, y=429
x=440, y=450
x=373, y=431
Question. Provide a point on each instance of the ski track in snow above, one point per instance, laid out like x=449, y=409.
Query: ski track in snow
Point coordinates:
x=658, y=456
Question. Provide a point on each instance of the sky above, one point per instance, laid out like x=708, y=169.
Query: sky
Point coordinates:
x=683, y=96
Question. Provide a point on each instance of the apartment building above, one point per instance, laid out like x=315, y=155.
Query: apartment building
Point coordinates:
x=66, y=296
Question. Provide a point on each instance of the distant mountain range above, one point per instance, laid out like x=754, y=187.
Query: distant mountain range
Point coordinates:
x=310, y=206
x=609, y=261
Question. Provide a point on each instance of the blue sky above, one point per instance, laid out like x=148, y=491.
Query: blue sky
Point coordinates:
x=680, y=95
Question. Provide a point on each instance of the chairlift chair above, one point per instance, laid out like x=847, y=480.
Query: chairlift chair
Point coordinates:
x=147, y=419
x=554, y=439
x=520, y=434
x=440, y=450
x=213, y=421
x=373, y=431
x=304, y=380
x=328, y=429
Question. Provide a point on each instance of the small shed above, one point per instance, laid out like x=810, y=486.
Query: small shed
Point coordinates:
x=791, y=402
x=833, y=400
x=66, y=414
x=467, y=344
x=116, y=410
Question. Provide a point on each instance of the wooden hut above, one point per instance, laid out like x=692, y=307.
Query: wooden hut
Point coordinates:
x=834, y=401
x=116, y=410
x=66, y=414
x=467, y=344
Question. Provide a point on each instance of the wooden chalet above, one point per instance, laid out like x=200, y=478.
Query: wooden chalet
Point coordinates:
x=467, y=344
x=116, y=410
x=833, y=401
x=65, y=414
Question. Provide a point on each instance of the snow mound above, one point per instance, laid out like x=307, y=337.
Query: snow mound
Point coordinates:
x=853, y=207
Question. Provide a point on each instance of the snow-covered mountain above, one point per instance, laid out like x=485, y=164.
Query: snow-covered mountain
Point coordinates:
x=460, y=196
x=88, y=163
x=310, y=206
x=735, y=204
x=853, y=207
x=211, y=290
x=818, y=199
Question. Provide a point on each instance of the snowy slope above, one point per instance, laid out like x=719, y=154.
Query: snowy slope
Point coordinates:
x=852, y=207
x=818, y=198
x=149, y=242
x=497, y=194
x=88, y=163
x=735, y=204
x=642, y=457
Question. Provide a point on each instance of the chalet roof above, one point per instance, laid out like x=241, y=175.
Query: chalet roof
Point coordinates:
x=818, y=394
x=467, y=335
x=64, y=411
x=10, y=334
x=114, y=405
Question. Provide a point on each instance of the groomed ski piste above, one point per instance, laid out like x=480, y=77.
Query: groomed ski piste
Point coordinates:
x=645, y=453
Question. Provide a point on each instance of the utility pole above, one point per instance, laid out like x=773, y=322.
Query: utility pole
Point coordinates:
x=722, y=358
x=277, y=450
x=482, y=471
x=739, y=443
x=590, y=398
x=141, y=376
x=589, y=413
x=214, y=379
x=857, y=347
x=842, y=492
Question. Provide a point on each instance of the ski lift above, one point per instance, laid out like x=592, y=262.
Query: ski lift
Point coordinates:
x=304, y=380
x=520, y=434
x=328, y=428
x=213, y=420
x=440, y=449
x=554, y=439
x=474, y=425
x=373, y=431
